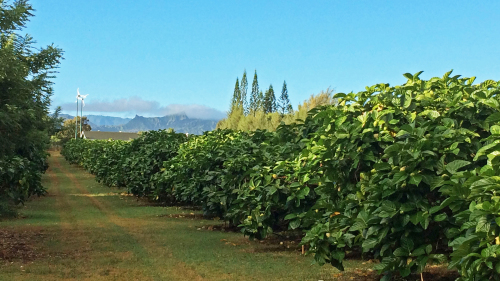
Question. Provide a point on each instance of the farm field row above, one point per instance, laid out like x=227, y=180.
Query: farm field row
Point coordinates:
x=404, y=174
x=83, y=230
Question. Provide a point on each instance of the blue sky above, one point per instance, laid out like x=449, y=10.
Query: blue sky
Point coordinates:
x=158, y=57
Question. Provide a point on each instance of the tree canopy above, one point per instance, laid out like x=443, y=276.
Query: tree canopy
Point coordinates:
x=25, y=91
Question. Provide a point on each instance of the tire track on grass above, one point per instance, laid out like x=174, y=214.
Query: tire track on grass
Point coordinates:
x=68, y=222
x=126, y=226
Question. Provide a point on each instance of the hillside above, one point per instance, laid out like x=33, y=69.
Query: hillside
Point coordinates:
x=181, y=123
x=101, y=120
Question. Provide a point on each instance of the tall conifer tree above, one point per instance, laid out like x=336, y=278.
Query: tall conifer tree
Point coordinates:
x=270, y=100
x=236, y=100
x=260, y=101
x=284, y=105
x=254, y=98
x=243, y=92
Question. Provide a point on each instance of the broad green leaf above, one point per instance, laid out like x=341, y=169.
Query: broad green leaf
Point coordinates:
x=407, y=243
x=489, y=182
x=408, y=76
x=486, y=149
x=382, y=166
x=495, y=117
x=416, y=179
x=369, y=244
x=440, y=217
x=491, y=103
x=428, y=249
x=432, y=114
x=341, y=135
x=358, y=225
x=303, y=192
x=340, y=121
x=483, y=225
x=294, y=224
x=393, y=148
x=418, y=252
x=401, y=252
x=399, y=177
x=495, y=130
x=406, y=100
x=454, y=166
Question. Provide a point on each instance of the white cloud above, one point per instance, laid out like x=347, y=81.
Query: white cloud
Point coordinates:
x=136, y=105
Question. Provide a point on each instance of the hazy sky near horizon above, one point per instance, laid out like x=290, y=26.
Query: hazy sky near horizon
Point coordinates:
x=158, y=57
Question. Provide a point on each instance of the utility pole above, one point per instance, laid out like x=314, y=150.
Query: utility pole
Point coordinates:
x=76, y=116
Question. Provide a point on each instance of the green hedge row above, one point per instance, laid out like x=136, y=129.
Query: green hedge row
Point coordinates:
x=408, y=174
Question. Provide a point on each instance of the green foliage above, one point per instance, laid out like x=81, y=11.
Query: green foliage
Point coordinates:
x=122, y=163
x=321, y=99
x=474, y=193
x=408, y=174
x=254, y=97
x=67, y=131
x=388, y=156
x=283, y=105
x=269, y=103
x=25, y=90
x=243, y=91
x=236, y=100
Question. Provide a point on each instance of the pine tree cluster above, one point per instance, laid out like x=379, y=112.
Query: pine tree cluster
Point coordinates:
x=259, y=101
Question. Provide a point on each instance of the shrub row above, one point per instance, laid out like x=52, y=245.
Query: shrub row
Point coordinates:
x=408, y=174
x=25, y=90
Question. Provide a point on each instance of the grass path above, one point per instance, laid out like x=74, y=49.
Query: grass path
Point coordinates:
x=83, y=230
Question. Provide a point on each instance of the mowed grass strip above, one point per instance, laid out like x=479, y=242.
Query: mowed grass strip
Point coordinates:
x=87, y=236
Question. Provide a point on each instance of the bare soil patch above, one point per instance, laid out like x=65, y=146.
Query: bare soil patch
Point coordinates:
x=21, y=245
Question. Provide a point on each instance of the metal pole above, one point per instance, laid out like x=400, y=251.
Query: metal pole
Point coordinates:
x=76, y=119
x=81, y=117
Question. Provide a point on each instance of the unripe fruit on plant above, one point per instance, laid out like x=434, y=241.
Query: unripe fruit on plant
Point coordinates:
x=275, y=176
x=328, y=235
x=401, y=212
x=402, y=169
x=373, y=171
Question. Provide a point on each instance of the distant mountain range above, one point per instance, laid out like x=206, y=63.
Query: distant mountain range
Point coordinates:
x=179, y=122
x=100, y=120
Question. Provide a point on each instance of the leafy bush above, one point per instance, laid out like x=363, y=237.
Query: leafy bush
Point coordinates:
x=406, y=174
x=25, y=90
x=122, y=163
x=386, y=156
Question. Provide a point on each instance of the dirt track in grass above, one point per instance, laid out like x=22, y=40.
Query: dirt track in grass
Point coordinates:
x=83, y=230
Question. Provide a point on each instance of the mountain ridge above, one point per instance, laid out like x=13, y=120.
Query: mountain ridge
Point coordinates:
x=181, y=123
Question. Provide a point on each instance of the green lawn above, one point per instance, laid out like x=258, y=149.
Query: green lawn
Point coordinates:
x=83, y=230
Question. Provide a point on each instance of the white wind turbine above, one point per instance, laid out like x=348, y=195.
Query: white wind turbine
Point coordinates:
x=82, y=98
x=76, y=116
